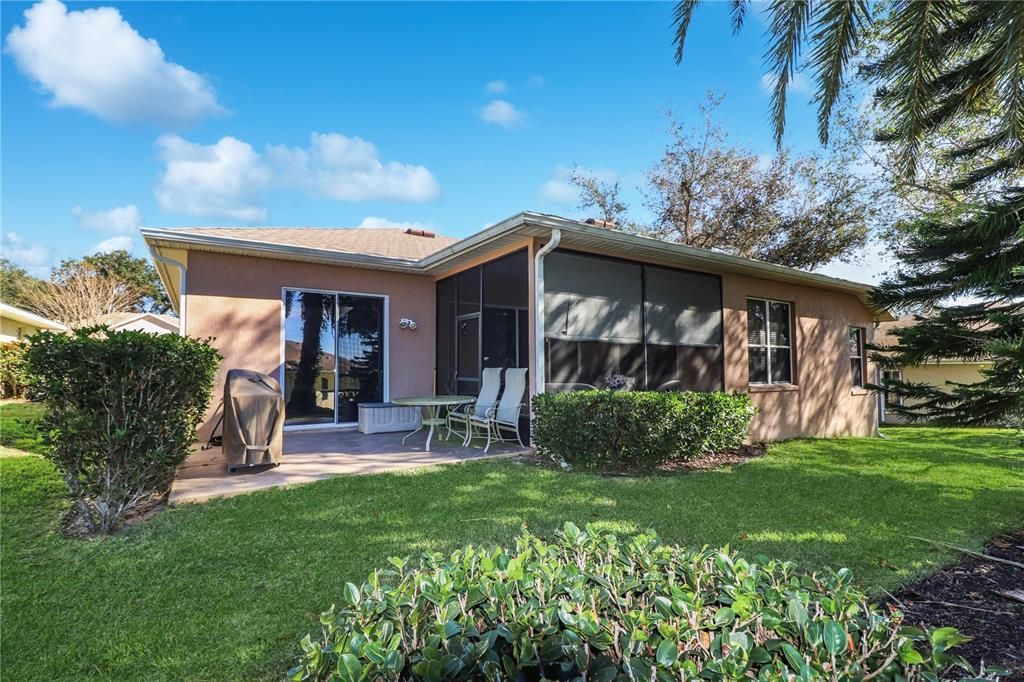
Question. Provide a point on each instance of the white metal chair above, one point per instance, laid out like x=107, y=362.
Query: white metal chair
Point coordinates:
x=490, y=385
x=504, y=415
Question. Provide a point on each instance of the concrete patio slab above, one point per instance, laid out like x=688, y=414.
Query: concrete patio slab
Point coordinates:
x=316, y=455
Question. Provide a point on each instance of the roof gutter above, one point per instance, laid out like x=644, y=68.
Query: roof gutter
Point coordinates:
x=181, y=289
x=538, y=292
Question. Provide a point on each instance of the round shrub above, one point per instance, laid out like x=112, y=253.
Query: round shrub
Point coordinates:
x=121, y=413
x=591, y=606
x=637, y=429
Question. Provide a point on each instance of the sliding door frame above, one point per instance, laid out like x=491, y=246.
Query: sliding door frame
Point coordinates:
x=385, y=342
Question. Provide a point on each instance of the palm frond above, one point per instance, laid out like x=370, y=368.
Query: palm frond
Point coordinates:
x=837, y=30
x=1010, y=48
x=788, y=22
x=681, y=17
x=738, y=9
x=912, y=65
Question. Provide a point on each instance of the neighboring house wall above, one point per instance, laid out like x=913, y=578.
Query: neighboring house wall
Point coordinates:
x=237, y=300
x=12, y=330
x=937, y=375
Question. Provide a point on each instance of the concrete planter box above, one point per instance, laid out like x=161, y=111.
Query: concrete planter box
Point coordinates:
x=388, y=417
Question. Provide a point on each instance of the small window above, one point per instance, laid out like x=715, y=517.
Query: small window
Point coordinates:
x=857, y=356
x=892, y=400
x=769, y=342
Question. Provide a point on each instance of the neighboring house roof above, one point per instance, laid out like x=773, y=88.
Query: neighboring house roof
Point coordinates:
x=119, y=320
x=885, y=337
x=9, y=312
x=400, y=251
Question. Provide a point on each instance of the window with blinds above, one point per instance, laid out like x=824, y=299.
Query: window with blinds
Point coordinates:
x=769, y=342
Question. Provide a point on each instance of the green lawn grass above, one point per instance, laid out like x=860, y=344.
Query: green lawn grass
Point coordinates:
x=225, y=589
x=19, y=425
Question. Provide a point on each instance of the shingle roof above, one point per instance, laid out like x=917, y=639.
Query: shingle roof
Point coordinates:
x=387, y=242
x=116, y=320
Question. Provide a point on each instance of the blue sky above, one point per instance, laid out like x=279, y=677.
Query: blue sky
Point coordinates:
x=452, y=116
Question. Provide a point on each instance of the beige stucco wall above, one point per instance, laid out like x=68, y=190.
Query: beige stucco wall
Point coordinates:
x=822, y=400
x=237, y=300
x=937, y=375
x=13, y=330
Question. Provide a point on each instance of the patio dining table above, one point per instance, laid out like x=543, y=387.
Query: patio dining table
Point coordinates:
x=434, y=403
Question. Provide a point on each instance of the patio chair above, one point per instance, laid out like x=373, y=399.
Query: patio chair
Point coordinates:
x=490, y=384
x=504, y=415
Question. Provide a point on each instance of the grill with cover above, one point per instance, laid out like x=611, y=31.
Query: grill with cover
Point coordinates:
x=253, y=419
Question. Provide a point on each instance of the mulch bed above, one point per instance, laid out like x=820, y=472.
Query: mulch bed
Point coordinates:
x=967, y=597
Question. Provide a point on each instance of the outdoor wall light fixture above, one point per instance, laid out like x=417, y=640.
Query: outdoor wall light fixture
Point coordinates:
x=406, y=323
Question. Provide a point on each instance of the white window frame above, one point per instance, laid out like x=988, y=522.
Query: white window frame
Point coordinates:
x=386, y=343
x=767, y=345
x=888, y=374
x=860, y=357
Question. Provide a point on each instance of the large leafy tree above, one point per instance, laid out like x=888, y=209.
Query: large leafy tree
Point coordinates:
x=16, y=285
x=706, y=191
x=137, y=274
x=941, y=67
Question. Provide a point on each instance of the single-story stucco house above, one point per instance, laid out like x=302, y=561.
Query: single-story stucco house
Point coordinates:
x=389, y=313
x=17, y=324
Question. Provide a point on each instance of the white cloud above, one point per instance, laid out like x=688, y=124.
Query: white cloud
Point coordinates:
x=559, y=190
x=535, y=81
x=122, y=243
x=349, y=169
x=17, y=250
x=497, y=87
x=375, y=222
x=502, y=113
x=229, y=179
x=224, y=179
x=122, y=219
x=798, y=83
x=94, y=60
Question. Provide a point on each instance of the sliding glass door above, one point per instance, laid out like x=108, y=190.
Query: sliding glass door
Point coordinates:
x=333, y=356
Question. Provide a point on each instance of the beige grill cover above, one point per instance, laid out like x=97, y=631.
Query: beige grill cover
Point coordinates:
x=253, y=419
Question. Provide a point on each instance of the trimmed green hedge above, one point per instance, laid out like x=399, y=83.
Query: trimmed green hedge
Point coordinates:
x=591, y=607
x=121, y=413
x=627, y=429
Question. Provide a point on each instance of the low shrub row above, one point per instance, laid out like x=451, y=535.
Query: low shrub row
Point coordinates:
x=590, y=606
x=636, y=429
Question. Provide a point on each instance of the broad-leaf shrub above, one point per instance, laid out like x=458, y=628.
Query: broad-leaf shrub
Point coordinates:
x=624, y=429
x=591, y=606
x=122, y=410
x=13, y=379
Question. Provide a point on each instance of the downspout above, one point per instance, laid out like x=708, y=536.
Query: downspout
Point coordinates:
x=181, y=300
x=538, y=304
x=879, y=395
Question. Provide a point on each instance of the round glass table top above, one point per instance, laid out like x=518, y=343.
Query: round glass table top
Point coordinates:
x=435, y=400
